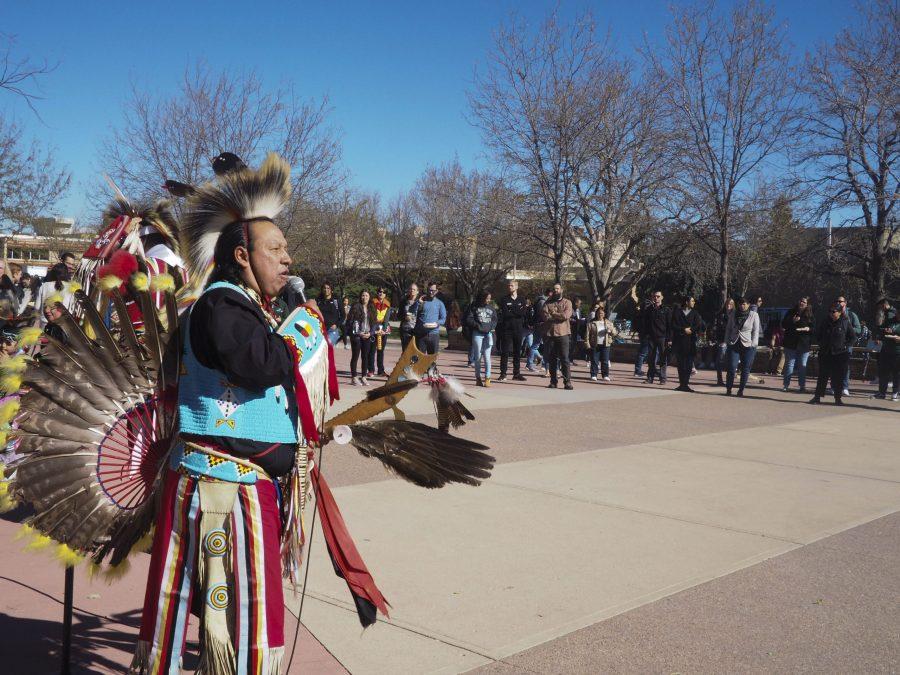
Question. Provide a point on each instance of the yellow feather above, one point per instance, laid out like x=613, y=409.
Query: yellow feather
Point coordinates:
x=53, y=299
x=10, y=383
x=24, y=532
x=140, y=281
x=67, y=555
x=15, y=364
x=109, y=282
x=8, y=411
x=37, y=542
x=4, y=439
x=30, y=336
x=144, y=543
x=164, y=283
x=7, y=503
x=113, y=573
x=93, y=569
x=73, y=286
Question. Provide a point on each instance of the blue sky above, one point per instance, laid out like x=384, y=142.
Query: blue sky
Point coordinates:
x=396, y=72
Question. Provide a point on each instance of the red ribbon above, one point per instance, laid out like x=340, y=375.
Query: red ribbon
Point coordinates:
x=340, y=543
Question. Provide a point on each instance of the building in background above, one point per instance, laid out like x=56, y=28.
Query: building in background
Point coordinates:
x=37, y=252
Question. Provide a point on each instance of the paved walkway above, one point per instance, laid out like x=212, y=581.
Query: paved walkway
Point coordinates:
x=627, y=528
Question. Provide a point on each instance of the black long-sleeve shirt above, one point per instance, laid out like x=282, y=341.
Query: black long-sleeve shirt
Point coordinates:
x=229, y=333
x=681, y=341
x=657, y=322
x=331, y=311
x=512, y=314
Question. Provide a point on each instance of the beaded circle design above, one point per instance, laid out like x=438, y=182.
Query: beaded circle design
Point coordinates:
x=217, y=597
x=216, y=543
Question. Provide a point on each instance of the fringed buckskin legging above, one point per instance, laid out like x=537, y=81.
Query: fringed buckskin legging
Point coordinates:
x=226, y=537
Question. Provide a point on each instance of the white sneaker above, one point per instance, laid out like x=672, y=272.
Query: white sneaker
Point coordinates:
x=606, y=379
x=785, y=389
x=364, y=382
x=895, y=396
x=353, y=381
x=346, y=346
x=593, y=378
x=846, y=392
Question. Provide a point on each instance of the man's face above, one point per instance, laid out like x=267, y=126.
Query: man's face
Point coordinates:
x=432, y=291
x=269, y=257
x=69, y=262
x=842, y=303
x=326, y=290
x=381, y=294
x=745, y=306
x=557, y=290
x=657, y=299
x=17, y=276
x=412, y=291
x=513, y=287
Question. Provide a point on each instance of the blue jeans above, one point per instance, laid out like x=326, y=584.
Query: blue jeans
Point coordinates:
x=600, y=360
x=739, y=354
x=533, y=342
x=721, y=353
x=791, y=357
x=643, y=350
x=482, y=343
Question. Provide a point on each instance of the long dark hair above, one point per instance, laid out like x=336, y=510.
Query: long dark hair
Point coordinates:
x=358, y=312
x=806, y=312
x=226, y=267
x=58, y=274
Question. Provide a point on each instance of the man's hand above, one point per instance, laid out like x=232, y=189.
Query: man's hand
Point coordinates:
x=687, y=331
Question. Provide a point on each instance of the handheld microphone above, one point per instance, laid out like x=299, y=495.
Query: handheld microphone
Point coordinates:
x=298, y=286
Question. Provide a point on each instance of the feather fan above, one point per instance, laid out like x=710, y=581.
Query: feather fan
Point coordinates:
x=421, y=454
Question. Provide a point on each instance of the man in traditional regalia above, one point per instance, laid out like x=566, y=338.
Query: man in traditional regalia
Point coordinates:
x=210, y=436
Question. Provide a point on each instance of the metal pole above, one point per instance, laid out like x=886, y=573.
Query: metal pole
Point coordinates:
x=65, y=667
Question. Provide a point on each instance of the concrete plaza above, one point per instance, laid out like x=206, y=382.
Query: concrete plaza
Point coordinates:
x=627, y=528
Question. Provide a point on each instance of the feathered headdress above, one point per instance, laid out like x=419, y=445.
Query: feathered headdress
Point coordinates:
x=237, y=196
x=158, y=216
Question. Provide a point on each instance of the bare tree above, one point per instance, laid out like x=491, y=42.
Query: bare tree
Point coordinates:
x=408, y=253
x=19, y=75
x=463, y=213
x=728, y=84
x=621, y=182
x=853, y=155
x=177, y=136
x=339, y=242
x=30, y=180
x=531, y=106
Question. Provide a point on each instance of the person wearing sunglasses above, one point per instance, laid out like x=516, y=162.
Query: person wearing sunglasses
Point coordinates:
x=836, y=337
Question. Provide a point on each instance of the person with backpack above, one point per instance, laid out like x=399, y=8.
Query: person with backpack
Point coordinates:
x=889, y=356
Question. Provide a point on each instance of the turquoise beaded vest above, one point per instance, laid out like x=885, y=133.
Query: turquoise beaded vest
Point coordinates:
x=210, y=405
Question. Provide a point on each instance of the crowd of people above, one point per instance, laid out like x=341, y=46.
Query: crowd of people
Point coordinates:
x=550, y=333
x=24, y=299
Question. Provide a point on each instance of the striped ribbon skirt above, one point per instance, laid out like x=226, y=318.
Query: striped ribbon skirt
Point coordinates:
x=220, y=541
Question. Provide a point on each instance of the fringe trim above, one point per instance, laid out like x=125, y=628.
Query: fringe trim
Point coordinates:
x=216, y=656
x=276, y=658
x=140, y=664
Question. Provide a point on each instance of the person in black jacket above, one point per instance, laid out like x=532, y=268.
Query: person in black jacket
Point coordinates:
x=657, y=329
x=799, y=327
x=888, y=333
x=330, y=308
x=510, y=331
x=687, y=326
x=481, y=319
x=836, y=337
